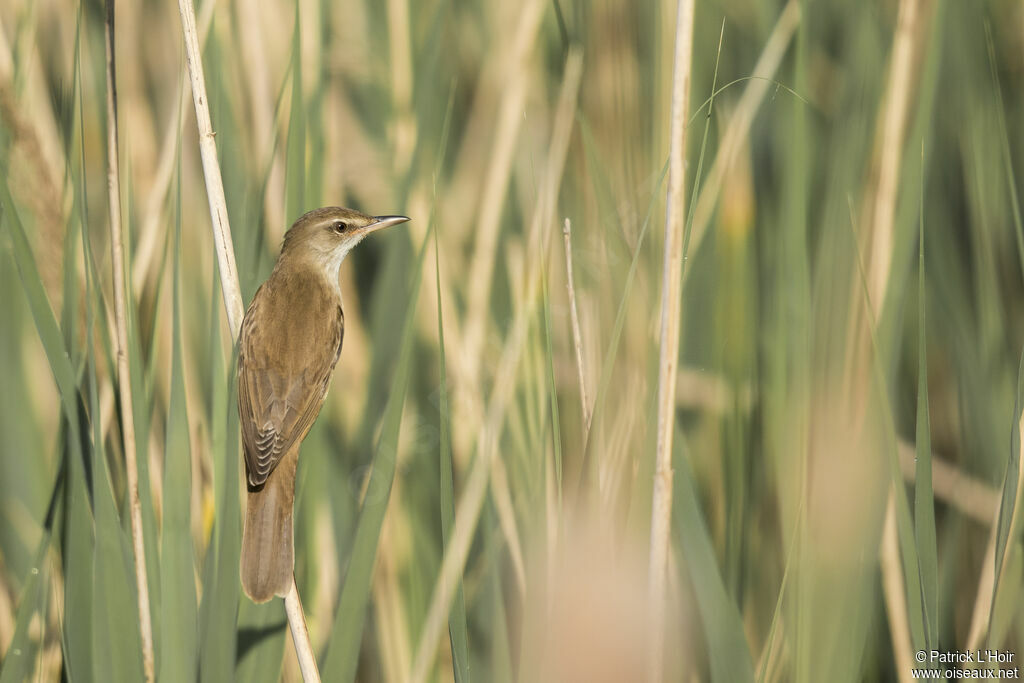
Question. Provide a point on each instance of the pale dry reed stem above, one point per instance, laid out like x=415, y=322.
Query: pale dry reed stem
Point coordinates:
x=774, y=653
x=153, y=213
x=261, y=100
x=897, y=99
x=400, y=51
x=211, y=173
x=739, y=125
x=876, y=276
x=261, y=105
x=986, y=581
x=577, y=338
x=229, y=276
x=300, y=634
x=329, y=579
x=492, y=199
x=427, y=309
x=6, y=57
x=7, y=614
x=392, y=620
x=1015, y=521
x=671, y=298
x=123, y=373
x=32, y=89
x=467, y=512
x=507, y=522
x=895, y=593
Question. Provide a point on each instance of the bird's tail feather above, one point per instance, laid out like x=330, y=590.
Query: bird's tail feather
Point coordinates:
x=267, y=560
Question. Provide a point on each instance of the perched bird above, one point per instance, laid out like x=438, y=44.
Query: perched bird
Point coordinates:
x=290, y=341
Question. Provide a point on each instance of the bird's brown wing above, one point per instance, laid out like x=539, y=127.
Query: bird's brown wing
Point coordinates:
x=278, y=402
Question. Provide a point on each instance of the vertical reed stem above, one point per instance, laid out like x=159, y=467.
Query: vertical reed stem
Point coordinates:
x=211, y=173
x=671, y=298
x=577, y=337
x=300, y=634
x=123, y=373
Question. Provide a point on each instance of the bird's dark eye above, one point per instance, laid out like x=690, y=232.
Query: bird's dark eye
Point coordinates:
x=340, y=226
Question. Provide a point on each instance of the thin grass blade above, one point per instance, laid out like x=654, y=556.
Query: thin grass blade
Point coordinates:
x=457, y=631
x=1009, y=497
x=179, y=636
x=556, y=433
x=924, y=496
x=117, y=646
x=219, y=609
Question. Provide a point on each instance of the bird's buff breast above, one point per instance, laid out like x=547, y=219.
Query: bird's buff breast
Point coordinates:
x=300, y=319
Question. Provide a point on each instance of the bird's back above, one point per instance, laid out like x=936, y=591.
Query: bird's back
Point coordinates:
x=291, y=339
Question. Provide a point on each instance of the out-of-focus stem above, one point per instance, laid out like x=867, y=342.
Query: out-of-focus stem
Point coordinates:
x=467, y=512
x=481, y=269
x=895, y=593
x=577, y=338
x=149, y=234
x=738, y=128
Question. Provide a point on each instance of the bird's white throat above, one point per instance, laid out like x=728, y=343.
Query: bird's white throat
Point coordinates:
x=330, y=262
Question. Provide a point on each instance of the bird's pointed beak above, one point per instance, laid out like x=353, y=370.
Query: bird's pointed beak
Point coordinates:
x=384, y=222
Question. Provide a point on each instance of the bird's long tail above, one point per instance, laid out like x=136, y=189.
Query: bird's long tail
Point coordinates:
x=267, y=561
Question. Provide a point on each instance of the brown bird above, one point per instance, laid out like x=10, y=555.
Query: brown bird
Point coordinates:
x=290, y=341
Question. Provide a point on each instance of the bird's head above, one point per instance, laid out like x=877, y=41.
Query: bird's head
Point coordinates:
x=325, y=236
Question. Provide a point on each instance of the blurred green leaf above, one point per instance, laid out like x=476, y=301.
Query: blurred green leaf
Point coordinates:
x=16, y=664
x=116, y=638
x=219, y=608
x=608, y=365
x=296, y=144
x=179, y=633
x=42, y=313
x=723, y=627
x=457, y=630
x=76, y=551
x=116, y=641
x=261, y=635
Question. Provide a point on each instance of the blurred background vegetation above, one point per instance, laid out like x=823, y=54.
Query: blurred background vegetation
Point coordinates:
x=816, y=339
